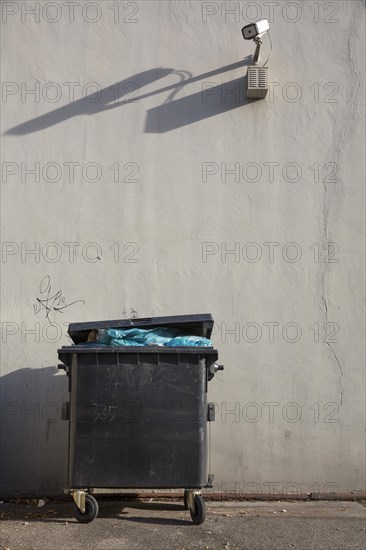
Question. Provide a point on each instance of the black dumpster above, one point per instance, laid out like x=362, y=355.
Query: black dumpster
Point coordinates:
x=138, y=415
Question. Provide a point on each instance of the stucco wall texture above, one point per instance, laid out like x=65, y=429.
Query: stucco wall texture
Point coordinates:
x=137, y=179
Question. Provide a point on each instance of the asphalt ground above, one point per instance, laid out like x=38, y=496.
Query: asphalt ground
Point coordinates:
x=150, y=524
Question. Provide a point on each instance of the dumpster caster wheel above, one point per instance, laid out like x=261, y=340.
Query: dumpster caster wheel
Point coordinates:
x=91, y=510
x=185, y=500
x=199, y=514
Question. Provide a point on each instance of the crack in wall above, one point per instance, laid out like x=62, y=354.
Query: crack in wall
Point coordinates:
x=331, y=189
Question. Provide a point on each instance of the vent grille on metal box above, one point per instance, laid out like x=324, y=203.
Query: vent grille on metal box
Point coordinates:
x=257, y=82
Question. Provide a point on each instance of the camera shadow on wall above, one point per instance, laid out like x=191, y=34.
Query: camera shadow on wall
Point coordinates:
x=213, y=99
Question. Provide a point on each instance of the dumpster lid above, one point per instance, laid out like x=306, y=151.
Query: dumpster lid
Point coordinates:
x=195, y=325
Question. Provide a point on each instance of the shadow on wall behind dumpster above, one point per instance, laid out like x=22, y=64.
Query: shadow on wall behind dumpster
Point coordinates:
x=34, y=438
x=212, y=99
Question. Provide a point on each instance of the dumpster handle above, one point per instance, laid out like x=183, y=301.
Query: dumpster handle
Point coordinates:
x=140, y=320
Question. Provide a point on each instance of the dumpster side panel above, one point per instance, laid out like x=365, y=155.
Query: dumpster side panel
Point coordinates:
x=138, y=420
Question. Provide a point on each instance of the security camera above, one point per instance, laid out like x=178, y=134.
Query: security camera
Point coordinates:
x=255, y=30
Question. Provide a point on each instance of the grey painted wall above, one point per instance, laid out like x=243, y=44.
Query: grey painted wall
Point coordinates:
x=157, y=188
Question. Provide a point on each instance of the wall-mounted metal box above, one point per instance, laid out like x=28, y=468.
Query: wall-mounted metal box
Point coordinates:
x=257, y=82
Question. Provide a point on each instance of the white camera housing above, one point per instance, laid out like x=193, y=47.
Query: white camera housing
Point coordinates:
x=255, y=30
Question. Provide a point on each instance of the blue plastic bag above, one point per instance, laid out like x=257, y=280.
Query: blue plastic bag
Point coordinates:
x=189, y=341
x=157, y=336
x=136, y=336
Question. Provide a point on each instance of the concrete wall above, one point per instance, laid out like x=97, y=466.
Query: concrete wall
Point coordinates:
x=158, y=189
